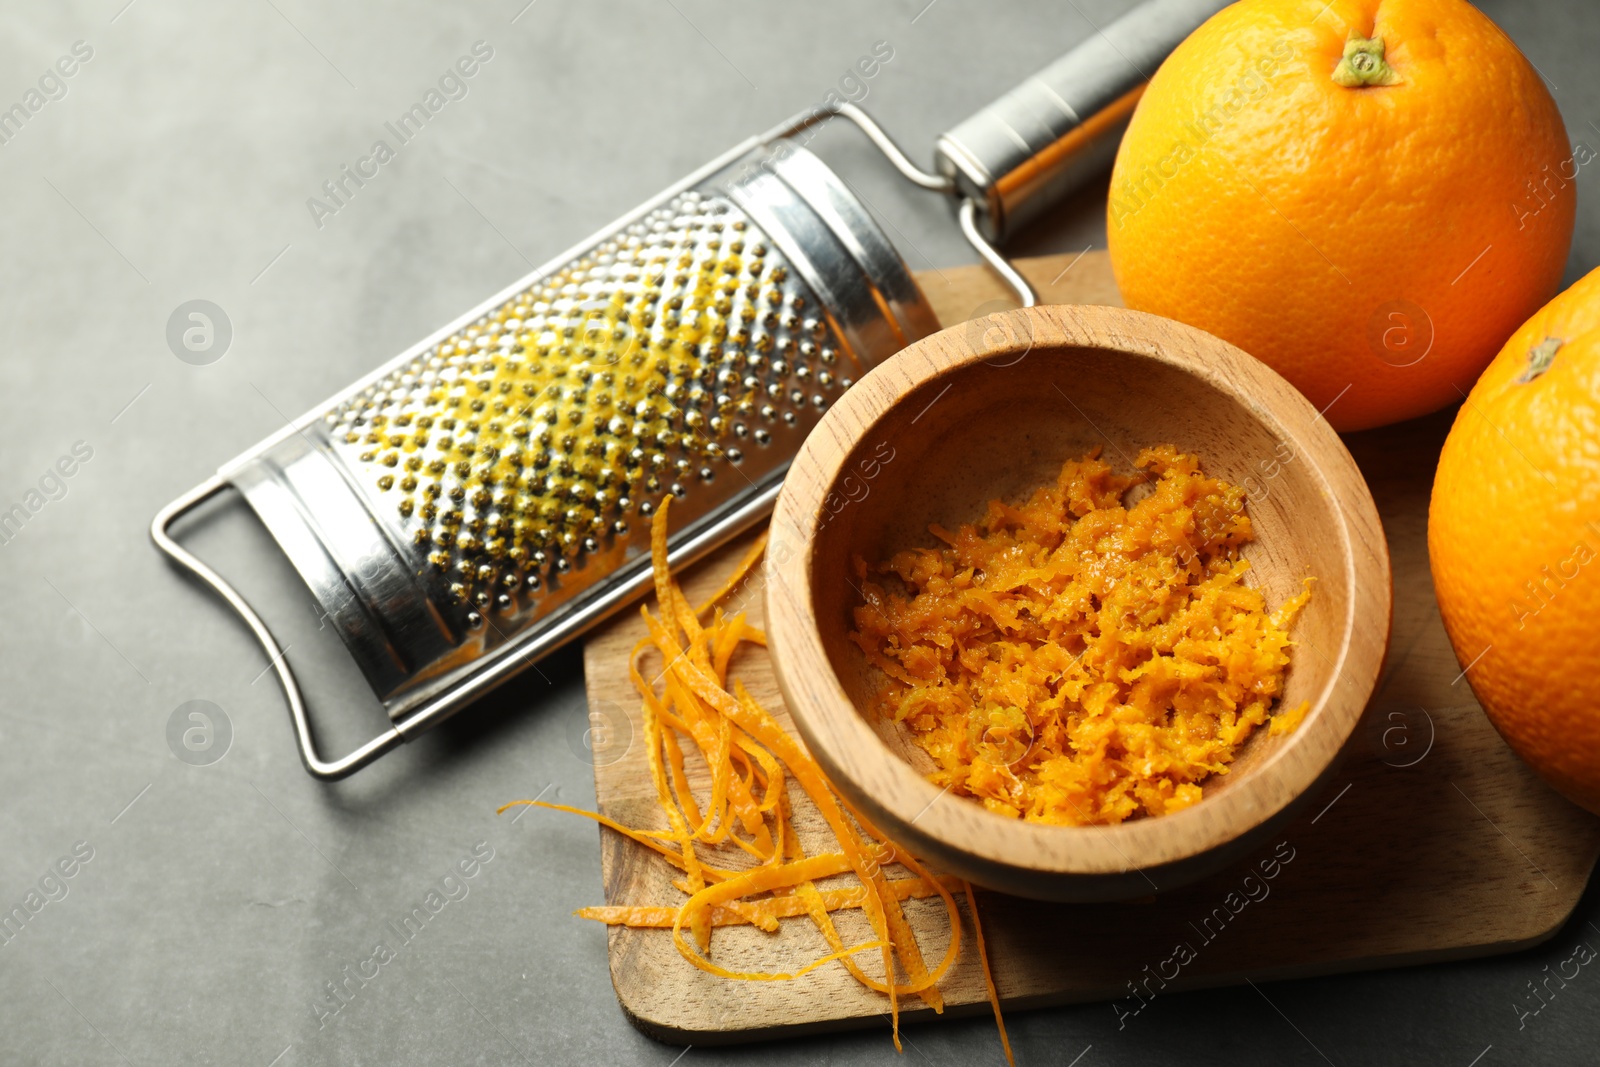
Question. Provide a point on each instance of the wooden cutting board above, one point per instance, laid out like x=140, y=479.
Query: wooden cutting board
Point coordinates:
x=1434, y=843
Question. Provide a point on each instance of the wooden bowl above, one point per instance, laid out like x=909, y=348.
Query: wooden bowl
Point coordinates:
x=993, y=408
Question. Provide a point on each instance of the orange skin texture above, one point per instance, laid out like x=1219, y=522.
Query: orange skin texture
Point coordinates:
x=1258, y=199
x=1514, y=539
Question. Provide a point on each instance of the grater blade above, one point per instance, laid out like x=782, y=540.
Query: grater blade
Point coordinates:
x=485, y=496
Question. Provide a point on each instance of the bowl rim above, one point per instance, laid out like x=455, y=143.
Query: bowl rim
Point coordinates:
x=911, y=809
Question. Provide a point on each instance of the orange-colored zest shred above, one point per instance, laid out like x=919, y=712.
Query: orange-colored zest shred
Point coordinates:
x=785, y=907
x=1077, y=660
x=689, y=704
x=805, y=772
x=988, y=975
x=739, y=572
x=680, y=779
x=904, y=939
x=651, y=839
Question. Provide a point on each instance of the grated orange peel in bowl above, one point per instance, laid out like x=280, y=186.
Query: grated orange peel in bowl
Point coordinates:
x=1075, y=660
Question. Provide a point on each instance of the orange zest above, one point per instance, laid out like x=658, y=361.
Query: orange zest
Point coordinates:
x=988, y=975
x=1077, y=660
x=762, y=874
x=776, y=907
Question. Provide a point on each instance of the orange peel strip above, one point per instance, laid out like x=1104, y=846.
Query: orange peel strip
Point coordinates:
x=680, y=779
x=759, y=880
x=988, y=976
x=740, y=571
x=660, y=917
x=787, y=750
x=749, y=755
x=902, y=937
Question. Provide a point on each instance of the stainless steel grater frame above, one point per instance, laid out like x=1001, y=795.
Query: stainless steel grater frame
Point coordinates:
x=456, y=522
x=454, y=517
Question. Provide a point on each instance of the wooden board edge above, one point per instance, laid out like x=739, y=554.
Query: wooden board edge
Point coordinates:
x=669, y=1034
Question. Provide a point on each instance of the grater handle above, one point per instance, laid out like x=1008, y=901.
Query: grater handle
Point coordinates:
x=1059, y=128
x=327, y=770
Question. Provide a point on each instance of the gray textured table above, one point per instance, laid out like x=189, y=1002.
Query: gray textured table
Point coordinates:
x=210, y=907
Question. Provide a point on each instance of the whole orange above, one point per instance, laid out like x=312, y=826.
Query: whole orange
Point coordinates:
x=1368, y=195
x=1514, y=538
